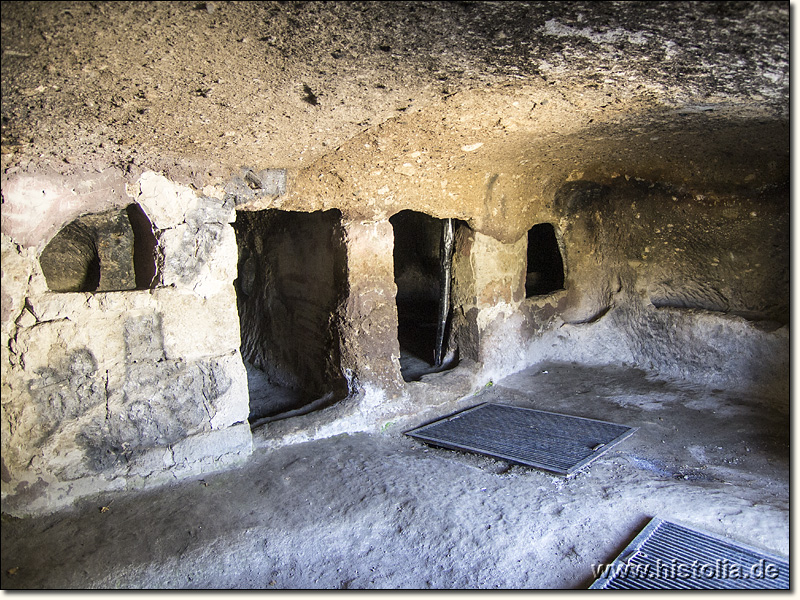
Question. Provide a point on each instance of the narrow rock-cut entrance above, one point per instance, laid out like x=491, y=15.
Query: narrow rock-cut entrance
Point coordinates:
x=291, y=279
x=422, y=280
x=545, y=270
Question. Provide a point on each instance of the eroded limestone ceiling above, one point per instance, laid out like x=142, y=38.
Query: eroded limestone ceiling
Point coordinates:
x=477, y=110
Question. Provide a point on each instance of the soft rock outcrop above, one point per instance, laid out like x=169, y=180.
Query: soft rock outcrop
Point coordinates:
x=650, y=140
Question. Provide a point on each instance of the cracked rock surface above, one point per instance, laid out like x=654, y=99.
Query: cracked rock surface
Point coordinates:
x=183, y=182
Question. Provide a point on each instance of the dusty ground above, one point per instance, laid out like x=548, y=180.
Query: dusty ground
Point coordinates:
x=385, y=511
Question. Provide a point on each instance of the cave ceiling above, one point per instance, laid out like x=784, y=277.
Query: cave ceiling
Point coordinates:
x=474, y=110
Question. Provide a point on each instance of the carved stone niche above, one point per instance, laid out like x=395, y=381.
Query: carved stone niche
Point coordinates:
x=113, y=250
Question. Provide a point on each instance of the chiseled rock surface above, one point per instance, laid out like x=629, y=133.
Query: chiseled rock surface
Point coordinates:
x=123, y=389
x=266, y=84
x=653, y=137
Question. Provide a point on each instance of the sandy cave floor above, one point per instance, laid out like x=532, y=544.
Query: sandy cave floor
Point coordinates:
x=385, y=511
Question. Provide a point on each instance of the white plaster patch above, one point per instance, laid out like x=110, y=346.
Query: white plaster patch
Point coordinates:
x=406, y=169
x=774, y=76
x=213, y=191
x=487, y=315
x=35, y=207
x=194, y=329
x=164, y=202
x=234, y=405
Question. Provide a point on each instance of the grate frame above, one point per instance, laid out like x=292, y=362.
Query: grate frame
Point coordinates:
x=647, y=548
x=547, y=443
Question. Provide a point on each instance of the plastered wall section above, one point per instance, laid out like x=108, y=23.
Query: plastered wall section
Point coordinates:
x=124, y=390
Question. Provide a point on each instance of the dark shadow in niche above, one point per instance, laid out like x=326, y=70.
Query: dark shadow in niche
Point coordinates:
x=545, y=271
x=417, y=274
x=291, y=279
x=145, y=247
x=102, y=252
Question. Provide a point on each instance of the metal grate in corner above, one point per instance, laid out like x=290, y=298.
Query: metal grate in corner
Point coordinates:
x=669, y=556
x=554, y=442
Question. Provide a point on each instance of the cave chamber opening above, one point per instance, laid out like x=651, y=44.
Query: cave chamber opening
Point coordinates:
x=422, y=257
x=291, y=278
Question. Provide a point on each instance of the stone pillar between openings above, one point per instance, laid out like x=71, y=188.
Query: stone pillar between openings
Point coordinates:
x=488, y=287
x=368, y=316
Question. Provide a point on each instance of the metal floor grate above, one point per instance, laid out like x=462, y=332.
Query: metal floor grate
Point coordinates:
x=558, y=443
x=675, y=557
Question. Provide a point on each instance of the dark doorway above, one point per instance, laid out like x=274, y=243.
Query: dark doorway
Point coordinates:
x=418, y=274
x=291, y=280
x=545, y=271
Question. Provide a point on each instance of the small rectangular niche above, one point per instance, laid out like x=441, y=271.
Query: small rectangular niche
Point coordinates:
x=545, y=267
x=113, y=250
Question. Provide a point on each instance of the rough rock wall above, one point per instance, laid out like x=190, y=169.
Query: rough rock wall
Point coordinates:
x=502, y=115
x=726, y=253
x=488, y=284
x=124, y=389
x=368, y=316
x=693, y=287
x=122, y=78
x=655, y=272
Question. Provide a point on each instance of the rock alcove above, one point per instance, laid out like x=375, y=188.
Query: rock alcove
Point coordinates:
x=111, y=251
x=227, y=220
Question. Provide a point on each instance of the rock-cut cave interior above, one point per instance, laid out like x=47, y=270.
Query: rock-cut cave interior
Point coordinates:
x=247, y=246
